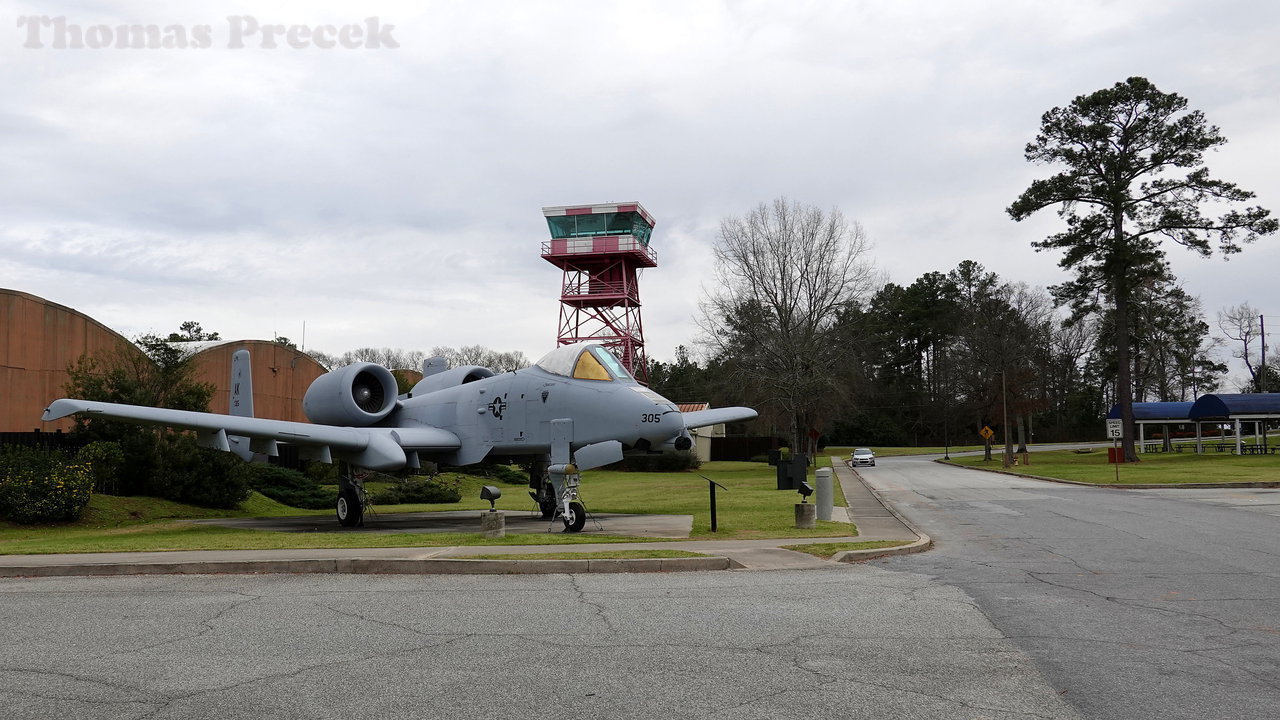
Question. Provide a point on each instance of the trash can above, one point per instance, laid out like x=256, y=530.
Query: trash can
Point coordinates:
x=1115, y=454
x=784, y=474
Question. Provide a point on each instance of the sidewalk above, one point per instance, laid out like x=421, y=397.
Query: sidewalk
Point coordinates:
x=874, y=521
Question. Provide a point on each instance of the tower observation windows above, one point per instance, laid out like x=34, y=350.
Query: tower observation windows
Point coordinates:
x=615, y=223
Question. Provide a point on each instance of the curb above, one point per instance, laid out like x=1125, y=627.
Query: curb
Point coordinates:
x=1130, y=486
x=924, y=542
x=381, y=566
x=852, y=556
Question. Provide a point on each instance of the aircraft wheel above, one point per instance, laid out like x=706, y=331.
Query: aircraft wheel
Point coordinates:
x=349, y=510
x=576, y=519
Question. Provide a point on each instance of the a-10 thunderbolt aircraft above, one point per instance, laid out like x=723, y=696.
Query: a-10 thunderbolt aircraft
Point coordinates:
x=575, y=409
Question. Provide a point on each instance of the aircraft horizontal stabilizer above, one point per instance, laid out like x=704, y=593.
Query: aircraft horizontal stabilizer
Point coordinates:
x=715, y=416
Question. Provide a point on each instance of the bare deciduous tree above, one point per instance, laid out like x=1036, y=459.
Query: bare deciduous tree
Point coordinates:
x=485, y=357
x=398, y=359
x=786, y=276
x=1240, y=323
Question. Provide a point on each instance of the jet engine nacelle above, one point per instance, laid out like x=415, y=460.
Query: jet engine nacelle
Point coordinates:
x=356, y=395
x=451, y=378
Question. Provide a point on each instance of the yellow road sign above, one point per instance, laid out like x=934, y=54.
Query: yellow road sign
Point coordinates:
x=986, y=432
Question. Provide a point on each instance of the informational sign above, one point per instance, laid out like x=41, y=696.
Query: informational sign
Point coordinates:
x=1115, y=429
x=986, y=432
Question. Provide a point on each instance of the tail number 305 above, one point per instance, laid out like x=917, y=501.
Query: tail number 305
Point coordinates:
x=651, y=417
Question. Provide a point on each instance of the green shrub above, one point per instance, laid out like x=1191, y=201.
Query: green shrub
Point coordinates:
x=321, y=473
x=104, y=459
x=502, y=473
x=189, y=473
x=42, y=486
x=677, y=461
x=290, y=487
x=437, y=489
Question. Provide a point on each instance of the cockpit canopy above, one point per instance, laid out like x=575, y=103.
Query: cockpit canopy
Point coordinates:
x=585, y=361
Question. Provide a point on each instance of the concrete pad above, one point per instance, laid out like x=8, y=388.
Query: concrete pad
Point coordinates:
x=468, y=521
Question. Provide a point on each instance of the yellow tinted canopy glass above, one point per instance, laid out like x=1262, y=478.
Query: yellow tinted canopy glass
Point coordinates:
x=589, y=368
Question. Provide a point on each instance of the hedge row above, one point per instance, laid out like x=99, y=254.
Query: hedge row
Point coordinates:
x=42, y=485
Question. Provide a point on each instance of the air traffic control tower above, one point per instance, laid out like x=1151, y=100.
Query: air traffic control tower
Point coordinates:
x=601, y=250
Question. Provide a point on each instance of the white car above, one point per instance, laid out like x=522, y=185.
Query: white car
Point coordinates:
x=862, y=456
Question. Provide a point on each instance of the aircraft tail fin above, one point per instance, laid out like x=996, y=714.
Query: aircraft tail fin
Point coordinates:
x=241, y=400
x=433, y=366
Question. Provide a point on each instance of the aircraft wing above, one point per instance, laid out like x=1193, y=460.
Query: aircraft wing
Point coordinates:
x=715, y=416
x=376, y=448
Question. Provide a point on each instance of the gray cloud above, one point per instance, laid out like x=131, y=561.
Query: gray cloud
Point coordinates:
x=391, y=197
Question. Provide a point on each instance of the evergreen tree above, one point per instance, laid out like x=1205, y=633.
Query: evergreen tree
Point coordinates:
x=1133, y=175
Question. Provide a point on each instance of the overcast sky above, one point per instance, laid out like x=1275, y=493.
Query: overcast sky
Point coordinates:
x=391, y=196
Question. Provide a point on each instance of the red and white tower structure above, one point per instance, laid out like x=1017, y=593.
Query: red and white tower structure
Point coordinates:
x=601, y=250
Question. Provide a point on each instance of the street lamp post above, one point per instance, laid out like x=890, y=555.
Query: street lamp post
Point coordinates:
x=946, y=424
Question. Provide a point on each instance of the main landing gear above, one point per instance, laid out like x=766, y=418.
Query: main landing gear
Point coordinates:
x=541, y=491
x=351, y=497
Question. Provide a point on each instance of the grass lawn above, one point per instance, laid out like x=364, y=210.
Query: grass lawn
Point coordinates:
x=1171, y=468
x=827, y=550
x=600, y=555
x=750, y=508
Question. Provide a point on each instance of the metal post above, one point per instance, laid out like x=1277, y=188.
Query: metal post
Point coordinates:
x=946, y=423
x=712, y=485
x=825, y=492
x=1262, y=379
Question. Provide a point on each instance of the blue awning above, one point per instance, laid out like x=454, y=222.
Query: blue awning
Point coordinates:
x=1226, y=406
x=1172, y=412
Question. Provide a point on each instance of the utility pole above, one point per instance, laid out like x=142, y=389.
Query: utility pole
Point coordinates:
x=1006, y=461
x=1262, y=377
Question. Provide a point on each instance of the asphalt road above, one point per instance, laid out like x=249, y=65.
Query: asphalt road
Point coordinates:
x=1133, y=604
x=1040, y=601
x=855, y=642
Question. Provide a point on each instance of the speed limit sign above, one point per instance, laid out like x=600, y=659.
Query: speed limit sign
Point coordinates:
x=1115, y=429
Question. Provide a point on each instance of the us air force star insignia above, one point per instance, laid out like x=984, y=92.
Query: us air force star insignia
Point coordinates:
x=497, y=407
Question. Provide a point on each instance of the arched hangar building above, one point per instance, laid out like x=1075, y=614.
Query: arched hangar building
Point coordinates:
x=39, y=339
